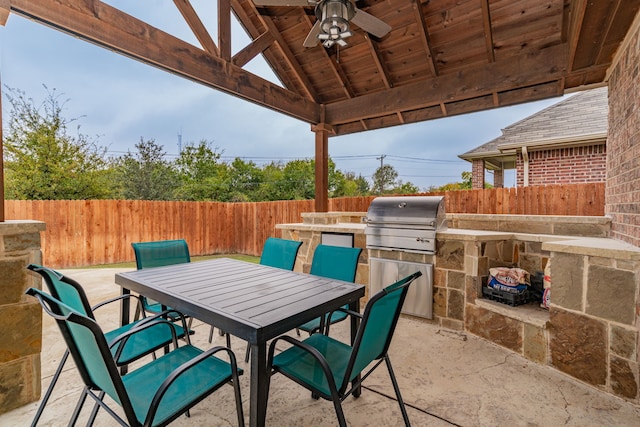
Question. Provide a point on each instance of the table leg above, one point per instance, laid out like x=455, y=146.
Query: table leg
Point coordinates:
x=124, y=308
x=124, y=318
x=259, y=385
x=355, y=323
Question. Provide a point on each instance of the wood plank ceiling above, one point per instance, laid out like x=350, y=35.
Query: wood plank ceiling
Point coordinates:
x=441, y=58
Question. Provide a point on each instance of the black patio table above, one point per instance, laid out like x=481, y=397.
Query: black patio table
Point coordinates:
x=247, y=300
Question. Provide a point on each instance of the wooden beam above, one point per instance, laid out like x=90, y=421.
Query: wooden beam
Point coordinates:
x=488, y=32
x=290, y=58
x=1, y=161
x=380, y=65
x=224, y=29
x=109, y=27
x=527, y=70
x=252, y=50
x=418, y=8
x=196, y=25
x=5, y=9
x=322, y=167
x=254, y=33
x=574, y=26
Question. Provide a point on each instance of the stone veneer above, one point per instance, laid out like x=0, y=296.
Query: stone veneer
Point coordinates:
x=309, y=232
x=590, y=331
x=20, y=315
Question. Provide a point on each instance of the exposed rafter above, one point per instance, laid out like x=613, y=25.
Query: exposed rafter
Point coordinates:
x=196, y=25
x=488, y=32
x=109, y=27
x=542, y=66
x=253, y=49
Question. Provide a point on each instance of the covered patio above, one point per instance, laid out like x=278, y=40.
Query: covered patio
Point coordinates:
x=441, y=58
x=447, y=378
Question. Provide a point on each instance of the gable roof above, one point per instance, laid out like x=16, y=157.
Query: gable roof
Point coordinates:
x=580, y=119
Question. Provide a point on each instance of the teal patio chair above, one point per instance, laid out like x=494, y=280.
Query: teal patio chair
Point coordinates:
x=154, y=394
x=333, y=262
x=326, y=366
x=72, y=294
x=158, y=254
x=279, y=253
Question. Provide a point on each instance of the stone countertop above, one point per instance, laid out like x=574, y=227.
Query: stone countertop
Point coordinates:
x=342, y=227
x=594, y=246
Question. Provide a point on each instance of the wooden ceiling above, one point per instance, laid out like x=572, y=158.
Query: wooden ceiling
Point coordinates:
x=441, y=58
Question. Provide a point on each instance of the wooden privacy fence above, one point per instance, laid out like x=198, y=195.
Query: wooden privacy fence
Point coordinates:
x=91, y=232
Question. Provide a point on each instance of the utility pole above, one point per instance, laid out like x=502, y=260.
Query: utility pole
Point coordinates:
x=381, y=175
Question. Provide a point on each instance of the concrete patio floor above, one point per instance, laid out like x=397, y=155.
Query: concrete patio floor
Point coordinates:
x=447, y=378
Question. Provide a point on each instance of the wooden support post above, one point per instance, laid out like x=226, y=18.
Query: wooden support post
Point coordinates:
x=322, y=166
x=1, y=160
x=5, y=9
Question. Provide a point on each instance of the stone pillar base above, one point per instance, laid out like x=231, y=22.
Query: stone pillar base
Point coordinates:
x=20, y=315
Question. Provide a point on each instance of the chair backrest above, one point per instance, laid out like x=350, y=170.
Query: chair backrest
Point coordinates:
x=280, y=253
x=160, y=253
x=335, y=262
x=377, y=326
x=65, y=289
x=88, y=347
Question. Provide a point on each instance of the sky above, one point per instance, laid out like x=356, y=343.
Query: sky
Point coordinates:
x=117, y=101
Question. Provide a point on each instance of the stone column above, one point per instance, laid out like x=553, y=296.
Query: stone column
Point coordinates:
x=477, y=174
x=498, y=178
x=20, y=315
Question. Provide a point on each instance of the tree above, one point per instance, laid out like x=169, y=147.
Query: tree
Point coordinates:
x=146, y=175
x=43, y=161
x=385, y=176
x=245, y=179
x=202, y=175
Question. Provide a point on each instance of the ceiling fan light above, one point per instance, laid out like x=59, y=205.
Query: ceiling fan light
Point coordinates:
x=334, y=16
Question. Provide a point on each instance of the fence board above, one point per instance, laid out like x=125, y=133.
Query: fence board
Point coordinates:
x=90, y=232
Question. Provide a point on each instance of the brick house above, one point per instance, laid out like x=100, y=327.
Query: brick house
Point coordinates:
x=562, y=144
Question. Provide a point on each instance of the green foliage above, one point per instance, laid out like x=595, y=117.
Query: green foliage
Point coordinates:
x=145, y=175
x=385, y=181
x=201, y=174
x=44, y=162
x=384, y=177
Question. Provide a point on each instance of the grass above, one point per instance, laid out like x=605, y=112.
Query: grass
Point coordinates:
x=132, y=264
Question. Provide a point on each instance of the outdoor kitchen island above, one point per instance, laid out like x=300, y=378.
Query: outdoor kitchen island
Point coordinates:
x=590, y=331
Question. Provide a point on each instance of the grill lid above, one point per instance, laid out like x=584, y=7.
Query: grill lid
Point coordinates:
x=407, y=212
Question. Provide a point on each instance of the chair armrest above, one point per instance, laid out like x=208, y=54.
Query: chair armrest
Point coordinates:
x=118, y=298
x=141, y=326
x=309, y=349
x=344, y=310
x=164, y=387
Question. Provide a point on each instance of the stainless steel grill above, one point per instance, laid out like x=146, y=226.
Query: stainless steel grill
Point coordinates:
x=406, y=223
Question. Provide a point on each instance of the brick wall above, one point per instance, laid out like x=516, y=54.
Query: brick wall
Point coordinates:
x=477, y=174
x=570, y=165
x=623, y=148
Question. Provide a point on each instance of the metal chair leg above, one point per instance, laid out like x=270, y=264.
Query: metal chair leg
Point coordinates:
x=405, y=416
x=47, y=395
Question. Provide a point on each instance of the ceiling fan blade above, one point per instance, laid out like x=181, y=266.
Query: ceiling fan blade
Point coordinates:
x=312, y=38
x=283, y=2
x=370, y=23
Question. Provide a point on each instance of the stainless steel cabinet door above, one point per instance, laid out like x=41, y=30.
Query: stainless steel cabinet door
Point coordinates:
x=419, y=302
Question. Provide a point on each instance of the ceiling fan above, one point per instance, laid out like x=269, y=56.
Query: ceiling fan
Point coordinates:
x=334, y=16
